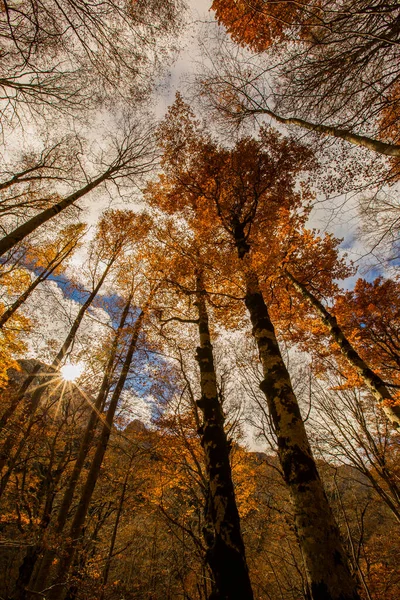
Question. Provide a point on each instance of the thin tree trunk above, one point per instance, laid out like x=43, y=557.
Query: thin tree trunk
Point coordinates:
x=40, y=579
x=30, y=559
x=42, y=277
x=326, y=562
x=226, y=552
x=94, y=471
x=29, y=226
x=19, y=396
x=12, y=439
x=40, y=390
x=91, y=426
x=343, y=134
x=356, y=561
x=14, y=459
x=78, y=319
x=371, y=379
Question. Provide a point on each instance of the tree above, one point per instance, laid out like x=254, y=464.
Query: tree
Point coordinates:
x=134, y=157
x=373, y=381
x=27, y=182
x=11, y=343
x=29, y=561
x=69, y=56
x=359, y=437
x=106, y=247
x=48, y=259
x=259, y=24
x=243, y=191
x=337, y=62
x=370, y=315
x=101, y=447
x=227, y=550
x=222, y=534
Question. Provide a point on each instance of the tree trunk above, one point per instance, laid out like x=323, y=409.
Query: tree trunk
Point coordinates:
x=91, y=426
x=29, y=415
x=25, y=572
x=29, y=226
x=78, y=319
x=40, y=579
x=42, y=277
x=343, y=134
x=30, y=559
x=94, y=471
x=226, y=552
x=371, y=379
x=40, y=390
x=106, y=570
x=326, y=562
x=19, y=396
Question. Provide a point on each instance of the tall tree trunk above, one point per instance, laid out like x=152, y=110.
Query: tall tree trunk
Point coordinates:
x=10, y=442
x=226, y=553
x=371, y=379
x=78, y=319
x=94, y=471
x=23, y=297
x=16, y=400
x=39, y=580
x=343, y=134
x=21, y=232
x=326, y=562
x=30, y=559
x=40, y=390
x=91, y=426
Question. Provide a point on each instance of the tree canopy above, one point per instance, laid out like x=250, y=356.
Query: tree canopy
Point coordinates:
x=199, y=305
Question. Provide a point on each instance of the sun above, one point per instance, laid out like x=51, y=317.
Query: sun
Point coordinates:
x=71, y=372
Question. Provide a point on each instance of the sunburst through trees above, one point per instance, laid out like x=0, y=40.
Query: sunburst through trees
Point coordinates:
x=200, y=390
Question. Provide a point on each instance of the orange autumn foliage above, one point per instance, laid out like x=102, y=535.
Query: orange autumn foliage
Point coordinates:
x=259, y=23
x=370, y=317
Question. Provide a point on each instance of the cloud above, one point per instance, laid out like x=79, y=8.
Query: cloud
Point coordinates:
x=53, y=314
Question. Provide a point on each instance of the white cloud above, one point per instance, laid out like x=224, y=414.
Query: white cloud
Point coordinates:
x=137, y=407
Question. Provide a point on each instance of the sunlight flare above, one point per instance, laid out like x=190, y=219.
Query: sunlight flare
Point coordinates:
x=71, y=372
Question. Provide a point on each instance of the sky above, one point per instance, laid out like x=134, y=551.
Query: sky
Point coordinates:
x=174, y=80
x=338, y=215
x=343, y=221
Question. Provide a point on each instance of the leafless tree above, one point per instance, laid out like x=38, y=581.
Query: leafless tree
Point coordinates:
x=69, y=54
x=330, y=67
x=131, y=155
x=349, y=429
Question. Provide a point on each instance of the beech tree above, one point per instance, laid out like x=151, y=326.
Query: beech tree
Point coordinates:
x=67, y=57
x=29, y=562
x=222, y=535
x=354, y=352
x=240, y=189
x=374, y=382
x=109, y=247
x=360, y=436
x=233, y=429
x=101, y=446
x=134, y=157
x=49, y=259
x=337, y=63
